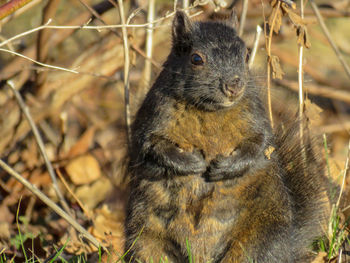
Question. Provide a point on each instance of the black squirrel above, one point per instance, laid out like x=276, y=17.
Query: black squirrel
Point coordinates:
x=207, y=168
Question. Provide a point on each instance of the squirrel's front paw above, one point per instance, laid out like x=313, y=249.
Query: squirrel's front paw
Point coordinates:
x=222, y=168
x=188, y=162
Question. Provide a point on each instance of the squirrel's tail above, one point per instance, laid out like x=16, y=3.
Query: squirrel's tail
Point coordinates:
x=305, y=178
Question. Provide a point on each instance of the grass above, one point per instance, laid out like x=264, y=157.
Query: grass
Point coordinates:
x=337, y=235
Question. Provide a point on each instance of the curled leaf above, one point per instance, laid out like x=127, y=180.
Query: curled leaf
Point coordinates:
x=277, y=72
x=303, y=38
x=299, y=24
x=275, y=18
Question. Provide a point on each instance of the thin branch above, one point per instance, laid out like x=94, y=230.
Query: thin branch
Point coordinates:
x=185, y=5
x=301, y=93
x=268, y=49
x=98, y=28
x=329, y=37
x=3, y=43
x=243, y=17
x=40, y=143
x=300, y=70
x=39, y=63
x=50, y=204
x=126, y=71
x=20, y=11
x=149, y=44
x=87, y=213
x=255, y=47
x=11, y=7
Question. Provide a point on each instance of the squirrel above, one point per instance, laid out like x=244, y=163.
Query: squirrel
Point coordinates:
x=208, y=171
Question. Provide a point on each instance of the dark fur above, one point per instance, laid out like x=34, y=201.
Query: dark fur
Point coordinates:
x=198, y=165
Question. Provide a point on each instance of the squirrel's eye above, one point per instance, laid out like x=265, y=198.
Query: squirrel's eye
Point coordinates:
x=196, y=59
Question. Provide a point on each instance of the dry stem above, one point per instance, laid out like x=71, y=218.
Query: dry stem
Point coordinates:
x=40, y=143
x=243, y=17
x=126, y=71
x=268, y=48
x=149, y=43
x=255, y=47
x=11, y=7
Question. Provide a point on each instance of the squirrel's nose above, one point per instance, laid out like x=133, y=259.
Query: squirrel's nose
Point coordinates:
x=234, y=87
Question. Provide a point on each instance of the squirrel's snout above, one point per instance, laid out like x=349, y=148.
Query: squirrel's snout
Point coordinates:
x=234, y=88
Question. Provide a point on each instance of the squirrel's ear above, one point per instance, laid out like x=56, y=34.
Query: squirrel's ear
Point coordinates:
x=232, y=19
x=181, y=30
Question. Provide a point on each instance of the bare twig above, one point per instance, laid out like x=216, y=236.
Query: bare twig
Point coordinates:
x=86, y=211
x=330, y=40
x=149, y=43
x=20, y=11
x=301, y=93
x=243, y=17
x=51, y=204
x=40, y=143
x=126, y=71
x=11, y=7
x=255, y=47
x=301, y=72
x=39, y=63
x=185, y=5
x=268, y=49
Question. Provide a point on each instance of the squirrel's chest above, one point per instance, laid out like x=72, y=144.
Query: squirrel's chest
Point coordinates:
x=213, y=133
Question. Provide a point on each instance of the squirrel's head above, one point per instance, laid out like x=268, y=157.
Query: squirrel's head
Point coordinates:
x=211, y=60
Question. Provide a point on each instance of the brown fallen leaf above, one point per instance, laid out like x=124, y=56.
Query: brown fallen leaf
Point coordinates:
x=83, y=170
x=109, y=227
x=83, y=144
x=91, y=195
x=4, y=230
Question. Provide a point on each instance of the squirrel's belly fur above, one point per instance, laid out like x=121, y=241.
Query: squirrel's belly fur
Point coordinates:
x=241, y=214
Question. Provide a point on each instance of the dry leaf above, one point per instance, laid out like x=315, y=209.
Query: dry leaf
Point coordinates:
x=83, y=144
x=109, y=227
x=299, y=24
x=275, y=19
x=277, y=72
x=303, y=38
x=91, y=195
x=83, y=169
x=269, y=151
x=5, y=230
